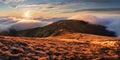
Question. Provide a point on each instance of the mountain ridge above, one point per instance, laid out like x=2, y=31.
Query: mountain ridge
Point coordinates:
x=66, y=26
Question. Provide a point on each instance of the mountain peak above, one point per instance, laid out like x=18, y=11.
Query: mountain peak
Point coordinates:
x=66, y=26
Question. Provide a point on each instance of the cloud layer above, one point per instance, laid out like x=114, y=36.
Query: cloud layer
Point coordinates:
x=68, y=6
x=111, y=23
x=96, y=1
x=9, y=1
x=7, y=23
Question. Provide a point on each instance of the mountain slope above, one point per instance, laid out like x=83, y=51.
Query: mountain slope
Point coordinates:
x=66, y=26
x=87, y=47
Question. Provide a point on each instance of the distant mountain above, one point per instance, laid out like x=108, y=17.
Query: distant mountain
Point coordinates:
x=66, y=26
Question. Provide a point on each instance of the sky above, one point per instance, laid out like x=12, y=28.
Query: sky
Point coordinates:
x=58, y=8
x=27, y=14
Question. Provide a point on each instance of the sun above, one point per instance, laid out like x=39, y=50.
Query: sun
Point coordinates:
x=27, y=14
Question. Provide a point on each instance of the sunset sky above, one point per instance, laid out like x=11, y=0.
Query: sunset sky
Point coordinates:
x=53, y=8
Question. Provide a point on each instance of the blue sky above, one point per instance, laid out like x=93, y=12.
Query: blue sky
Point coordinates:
x=59, y=7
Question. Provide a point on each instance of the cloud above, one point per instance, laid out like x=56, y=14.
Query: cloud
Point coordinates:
x=89, y=18
x=39, y=5
x=13, y=7
x=111, y=22
x=9, y=1
x=95, y=1
x=7, y=23
x=94, y=10
x=71, y=6
x=99, y=9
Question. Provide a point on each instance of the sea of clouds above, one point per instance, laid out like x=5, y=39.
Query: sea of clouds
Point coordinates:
x=18, y=23
x=112, y=23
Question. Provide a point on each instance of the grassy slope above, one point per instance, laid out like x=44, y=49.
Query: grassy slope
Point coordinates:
x=70, y=46
x=69, y=26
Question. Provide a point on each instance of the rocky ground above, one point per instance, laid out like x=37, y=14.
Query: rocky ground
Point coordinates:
x=74, y=46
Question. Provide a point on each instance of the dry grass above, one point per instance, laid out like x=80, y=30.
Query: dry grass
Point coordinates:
x=67, y=47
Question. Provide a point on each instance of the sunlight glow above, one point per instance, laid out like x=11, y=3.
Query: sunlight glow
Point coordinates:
x=27, y=14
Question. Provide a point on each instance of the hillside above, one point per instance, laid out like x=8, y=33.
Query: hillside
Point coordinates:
x=75, y=46
x=66, y=26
